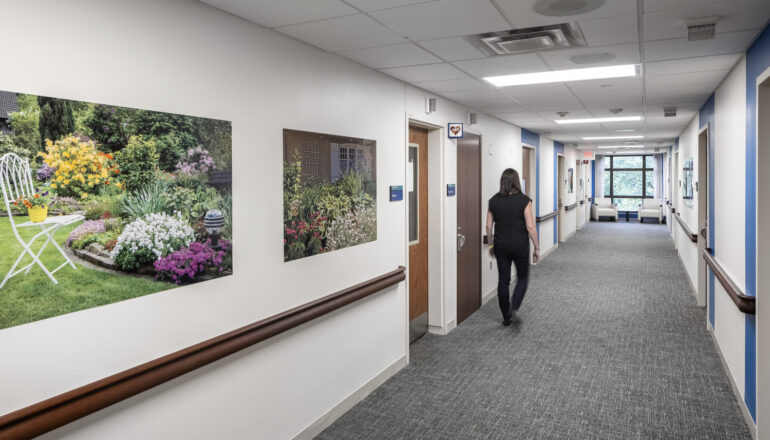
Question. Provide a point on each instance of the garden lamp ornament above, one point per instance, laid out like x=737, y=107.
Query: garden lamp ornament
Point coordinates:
x=214, y=221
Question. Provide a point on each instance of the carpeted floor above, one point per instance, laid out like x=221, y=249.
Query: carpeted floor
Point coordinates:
x=610, y=345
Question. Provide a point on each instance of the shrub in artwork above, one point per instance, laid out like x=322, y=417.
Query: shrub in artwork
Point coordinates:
x=329, y=193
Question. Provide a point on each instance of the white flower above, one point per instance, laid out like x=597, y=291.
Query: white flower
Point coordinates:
x=160, y=233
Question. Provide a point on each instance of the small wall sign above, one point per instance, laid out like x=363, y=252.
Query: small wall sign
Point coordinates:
x=396, y=193
x=455, y=130
x=451, y=190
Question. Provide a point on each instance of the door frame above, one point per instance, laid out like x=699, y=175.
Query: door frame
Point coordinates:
x=480, y=212
x=676, y=188
x=704, y=221
x=533, y=176
x=441, y=223
x=762, y=329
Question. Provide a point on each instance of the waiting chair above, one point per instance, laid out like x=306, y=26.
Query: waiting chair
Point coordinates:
x=603, y=207
x=651, y=208
x=16, y=181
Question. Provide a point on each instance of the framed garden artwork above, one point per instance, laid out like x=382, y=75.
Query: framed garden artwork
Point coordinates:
x=570, y=181
x=329, y=193
x=103, y=203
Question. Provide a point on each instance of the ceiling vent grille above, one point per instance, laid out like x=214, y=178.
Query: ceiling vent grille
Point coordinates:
x=669, y=112
x=701, y=28
x=516, y=41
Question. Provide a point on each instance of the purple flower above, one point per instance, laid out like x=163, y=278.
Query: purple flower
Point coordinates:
x=190, y=262
x=45, y=172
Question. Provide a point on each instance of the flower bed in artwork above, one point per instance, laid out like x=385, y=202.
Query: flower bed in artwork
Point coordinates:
x=141, y=181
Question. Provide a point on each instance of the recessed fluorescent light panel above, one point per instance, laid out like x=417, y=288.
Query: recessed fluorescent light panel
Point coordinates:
x=596, y=120
x=611, y=138
x=522, y=79
x=612, y=147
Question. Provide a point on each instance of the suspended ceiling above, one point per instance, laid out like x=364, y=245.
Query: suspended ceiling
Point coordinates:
x=420, y=42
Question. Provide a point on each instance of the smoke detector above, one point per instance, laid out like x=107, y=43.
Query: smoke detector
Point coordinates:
x=515, y=41
x=615, y=111
x=563, y=8
x=562, y=114
x=704, y=28
x=669, y=112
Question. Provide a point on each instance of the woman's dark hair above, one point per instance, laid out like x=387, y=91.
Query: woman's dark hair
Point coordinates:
x=509, y=182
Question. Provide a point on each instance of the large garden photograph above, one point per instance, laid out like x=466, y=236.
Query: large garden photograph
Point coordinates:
x=329, y=193
x=104, y=203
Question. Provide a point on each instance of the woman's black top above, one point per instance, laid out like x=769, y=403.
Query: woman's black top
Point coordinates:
x=510, y=227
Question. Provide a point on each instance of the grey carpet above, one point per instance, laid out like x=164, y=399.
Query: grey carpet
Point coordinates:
x=610, y=346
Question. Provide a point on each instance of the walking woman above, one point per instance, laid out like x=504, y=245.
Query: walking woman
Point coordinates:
x=511, y=214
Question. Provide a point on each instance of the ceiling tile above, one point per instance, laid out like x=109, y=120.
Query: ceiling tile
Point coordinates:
x=479, y=98
x=630, y=110
x=711, y=78
x=697, y=64
x=522, y=14
x=608, y=100
x=511, y=107
x=273, y=13
x=575, y=113
x=398, y=55
x=453, y=85
x=611, y=31
x=543, y=96
x=503, y=65
x=665, y=5
x=452, y=49
x=444, y=18
x=607, y=85
x=733, y=16
x=344, y=33
x=374, y=5
x=734, y=42
x=428, y=72
x=690, y=93
x=624, y=54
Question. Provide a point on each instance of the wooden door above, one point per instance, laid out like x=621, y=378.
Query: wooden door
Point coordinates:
x=560, y=200
x=468, y=226
x=417, y=198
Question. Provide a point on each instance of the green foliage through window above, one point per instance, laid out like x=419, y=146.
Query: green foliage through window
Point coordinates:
x=629, y=179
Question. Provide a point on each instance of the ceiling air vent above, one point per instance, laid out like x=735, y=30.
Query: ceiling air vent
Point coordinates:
x=701, y=28
x=669, y=112
x=557, y=36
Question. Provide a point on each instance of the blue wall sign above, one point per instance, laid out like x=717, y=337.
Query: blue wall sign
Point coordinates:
x=451, y=190
x=396, y=193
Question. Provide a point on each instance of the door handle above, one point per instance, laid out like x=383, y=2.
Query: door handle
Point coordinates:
x=460, y=242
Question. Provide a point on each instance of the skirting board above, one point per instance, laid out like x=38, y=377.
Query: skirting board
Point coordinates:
x=736, y=391
x=569, y=236
x=349, y=402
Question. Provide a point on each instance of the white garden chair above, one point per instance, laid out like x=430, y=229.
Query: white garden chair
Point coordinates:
x=16, y=181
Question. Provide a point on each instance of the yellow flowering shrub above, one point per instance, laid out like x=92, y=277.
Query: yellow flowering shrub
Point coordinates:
x=80, y=168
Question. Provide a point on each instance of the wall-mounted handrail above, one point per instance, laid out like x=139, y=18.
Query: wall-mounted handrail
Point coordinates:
x=572, y=206
x=546, y=217
x=690, y=234
x=745, y=303
x=582, y=202
x=57, y=411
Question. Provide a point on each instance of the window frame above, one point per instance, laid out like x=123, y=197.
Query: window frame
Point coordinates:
x=643, y=170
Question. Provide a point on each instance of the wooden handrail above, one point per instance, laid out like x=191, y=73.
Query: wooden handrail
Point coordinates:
x=745, y=303
x=691, y=235
x=572, y=206
x=546, y=217
x=57, y=411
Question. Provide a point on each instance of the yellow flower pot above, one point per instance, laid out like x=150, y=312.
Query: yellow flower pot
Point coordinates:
x=38, y=214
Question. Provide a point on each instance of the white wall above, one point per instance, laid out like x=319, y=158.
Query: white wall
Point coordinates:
x=154, y=55
x=185, y=57
x=688, y=251
x=569, y=218
x=729, y=214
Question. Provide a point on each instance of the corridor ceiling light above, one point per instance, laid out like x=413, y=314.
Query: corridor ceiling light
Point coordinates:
x=608, y=147
x=521, y=79
x=611, y=138
x=596, y=120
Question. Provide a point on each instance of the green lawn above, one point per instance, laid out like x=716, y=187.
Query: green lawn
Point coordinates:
x=31, y=297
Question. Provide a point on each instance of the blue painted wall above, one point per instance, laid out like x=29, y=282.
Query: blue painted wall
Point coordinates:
x=706, y=116
x=757, y=61
x=593, y=180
